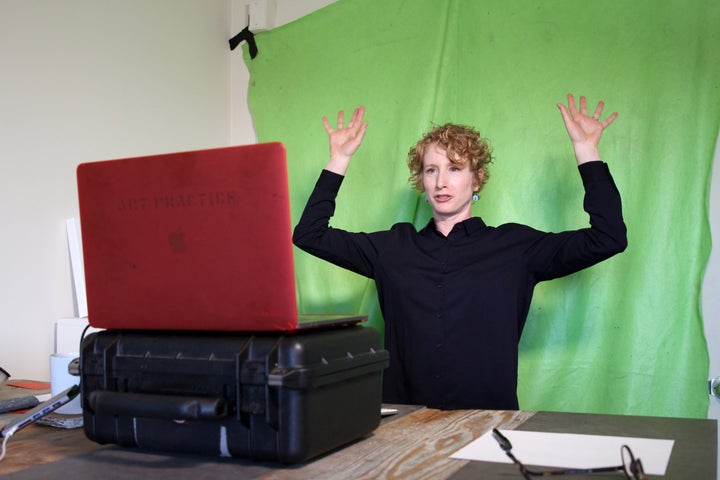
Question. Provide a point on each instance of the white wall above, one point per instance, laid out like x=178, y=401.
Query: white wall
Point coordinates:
x=86, y=80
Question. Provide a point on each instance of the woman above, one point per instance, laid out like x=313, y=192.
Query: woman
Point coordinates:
x=455, y=295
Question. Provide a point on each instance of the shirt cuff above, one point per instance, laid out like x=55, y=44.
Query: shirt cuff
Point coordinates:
x=593, y=172
x=329, y=181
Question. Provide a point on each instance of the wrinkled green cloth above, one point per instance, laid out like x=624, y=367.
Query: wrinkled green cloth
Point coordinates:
x=625, y=336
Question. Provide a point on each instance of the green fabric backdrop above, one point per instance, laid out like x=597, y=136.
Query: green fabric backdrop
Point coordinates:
x=625, y=336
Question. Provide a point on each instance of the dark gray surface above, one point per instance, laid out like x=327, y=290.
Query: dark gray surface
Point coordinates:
x=694, y=454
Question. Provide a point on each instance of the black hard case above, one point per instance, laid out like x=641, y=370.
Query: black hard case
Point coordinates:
x=284, y=397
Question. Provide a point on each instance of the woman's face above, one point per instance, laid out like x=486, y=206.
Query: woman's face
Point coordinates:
x=448, y=187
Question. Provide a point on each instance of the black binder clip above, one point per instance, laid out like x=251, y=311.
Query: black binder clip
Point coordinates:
x=249, y=37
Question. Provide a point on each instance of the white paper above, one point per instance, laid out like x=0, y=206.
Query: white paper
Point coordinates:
x=566, y=450
x=76, y=265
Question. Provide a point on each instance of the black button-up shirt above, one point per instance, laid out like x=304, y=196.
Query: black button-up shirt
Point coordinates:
x=454, y=307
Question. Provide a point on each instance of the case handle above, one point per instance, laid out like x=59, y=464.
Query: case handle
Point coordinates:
x=157, y=406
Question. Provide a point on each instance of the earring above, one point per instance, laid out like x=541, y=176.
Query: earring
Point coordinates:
x=426, y=199
x=475, y=197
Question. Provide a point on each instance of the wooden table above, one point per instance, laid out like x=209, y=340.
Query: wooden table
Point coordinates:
x=416, y=444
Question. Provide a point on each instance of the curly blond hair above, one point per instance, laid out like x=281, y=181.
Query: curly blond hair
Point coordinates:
x=463, y=145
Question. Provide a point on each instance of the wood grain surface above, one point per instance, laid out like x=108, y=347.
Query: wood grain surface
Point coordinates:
x=414, y=447
x=38, y=445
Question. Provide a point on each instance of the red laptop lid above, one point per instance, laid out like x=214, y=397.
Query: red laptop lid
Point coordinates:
x=195, y=240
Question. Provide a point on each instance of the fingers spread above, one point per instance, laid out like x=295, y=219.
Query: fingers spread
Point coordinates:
x=327, y=126
x=598, y=110
x=609, y=120
x=357, y=116
x=571, y=104
x=583, y=105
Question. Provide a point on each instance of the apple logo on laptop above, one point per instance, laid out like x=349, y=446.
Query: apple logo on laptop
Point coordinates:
x=177, y=241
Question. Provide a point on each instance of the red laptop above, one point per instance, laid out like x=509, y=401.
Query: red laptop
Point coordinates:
x=196, y=240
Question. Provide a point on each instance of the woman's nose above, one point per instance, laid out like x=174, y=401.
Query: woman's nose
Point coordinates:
x=440, y=180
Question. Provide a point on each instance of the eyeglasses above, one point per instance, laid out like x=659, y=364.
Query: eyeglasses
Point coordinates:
x=631, y=466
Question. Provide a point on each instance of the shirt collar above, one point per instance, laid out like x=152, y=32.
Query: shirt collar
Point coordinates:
x=470, y=226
